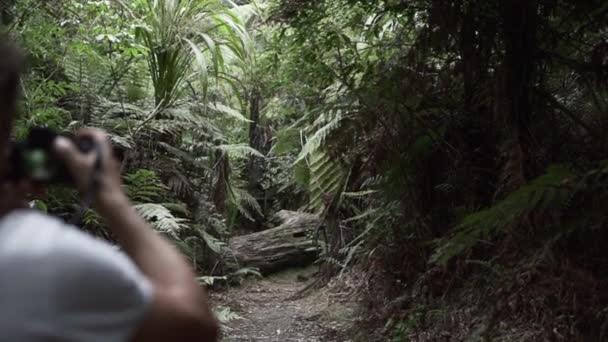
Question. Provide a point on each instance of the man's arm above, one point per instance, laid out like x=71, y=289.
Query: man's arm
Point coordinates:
x=179, y=310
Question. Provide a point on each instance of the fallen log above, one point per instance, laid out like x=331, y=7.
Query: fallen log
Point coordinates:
x=290, y=244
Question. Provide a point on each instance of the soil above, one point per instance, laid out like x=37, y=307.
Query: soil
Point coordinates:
x=273, y=309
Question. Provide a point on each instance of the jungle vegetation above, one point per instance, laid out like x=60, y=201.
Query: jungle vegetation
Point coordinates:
x=453, y=148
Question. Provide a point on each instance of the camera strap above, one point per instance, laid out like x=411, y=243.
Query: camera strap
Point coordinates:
x=90, y=193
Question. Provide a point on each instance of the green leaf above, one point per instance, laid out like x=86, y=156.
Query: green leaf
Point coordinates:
x=213, y=50
x=202, y=67
x=40, y=205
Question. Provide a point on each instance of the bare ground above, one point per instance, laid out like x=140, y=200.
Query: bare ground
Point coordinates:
x=270, y=310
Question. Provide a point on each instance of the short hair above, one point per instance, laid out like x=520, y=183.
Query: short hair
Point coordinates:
x=11, y=67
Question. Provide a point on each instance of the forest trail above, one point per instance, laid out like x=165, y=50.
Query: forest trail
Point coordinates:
x=269, y=310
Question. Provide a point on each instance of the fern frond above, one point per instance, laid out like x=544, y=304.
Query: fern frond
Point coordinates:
x=244, y=201
x=161, y=218
x=208, y=280
x=124, y=142
x=231, y=112
x=179, y=184
x=239, y=151
x=350, y=254
x=244, y=271
x=327, y=179
x=481, y=225
x=86, y=69
x=225, y=315
x=166, y=126
x=318, y=138
x=215, y=244
x=144, y=186
x=178, y=208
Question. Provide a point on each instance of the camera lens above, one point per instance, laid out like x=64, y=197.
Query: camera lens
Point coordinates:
x=36, y=165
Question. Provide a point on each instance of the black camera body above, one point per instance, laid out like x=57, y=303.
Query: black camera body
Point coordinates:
x=35, y=159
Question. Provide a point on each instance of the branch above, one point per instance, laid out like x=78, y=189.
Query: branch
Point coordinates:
x=556, y=104
x=577, y=65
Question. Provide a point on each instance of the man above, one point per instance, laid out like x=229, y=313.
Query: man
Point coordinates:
x=59, y=284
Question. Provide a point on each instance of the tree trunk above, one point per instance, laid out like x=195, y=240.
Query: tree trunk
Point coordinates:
x=290, y=244
x=256, y=166
x=519, y=31
x=220, y=185
x=516, y=78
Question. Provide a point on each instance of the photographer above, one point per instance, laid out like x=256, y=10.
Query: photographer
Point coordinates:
x=59, y=284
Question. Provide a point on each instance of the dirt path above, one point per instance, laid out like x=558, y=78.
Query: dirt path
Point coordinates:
x=269, y=313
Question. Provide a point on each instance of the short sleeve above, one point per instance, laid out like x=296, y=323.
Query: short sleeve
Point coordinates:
x=98, y=293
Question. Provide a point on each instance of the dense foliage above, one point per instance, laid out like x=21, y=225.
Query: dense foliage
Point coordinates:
x=453, y=148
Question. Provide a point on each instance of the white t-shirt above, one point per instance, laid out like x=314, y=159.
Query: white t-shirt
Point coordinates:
x=60, y=284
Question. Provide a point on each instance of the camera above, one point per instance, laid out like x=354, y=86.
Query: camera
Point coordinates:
x=35, y=159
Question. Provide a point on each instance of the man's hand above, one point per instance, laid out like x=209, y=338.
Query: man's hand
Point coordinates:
x=179, y=310
x=82, y=165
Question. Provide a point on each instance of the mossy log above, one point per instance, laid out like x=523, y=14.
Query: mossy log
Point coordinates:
x=290, y=244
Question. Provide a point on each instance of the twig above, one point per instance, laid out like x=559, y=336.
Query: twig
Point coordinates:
x=149, y=118
x=127, y=8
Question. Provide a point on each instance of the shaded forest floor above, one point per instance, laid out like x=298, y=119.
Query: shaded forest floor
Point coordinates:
x=272, y=309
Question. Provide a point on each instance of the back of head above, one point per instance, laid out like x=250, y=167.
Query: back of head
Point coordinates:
x=11, y=65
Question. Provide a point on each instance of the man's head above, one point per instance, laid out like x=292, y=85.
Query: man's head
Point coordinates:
x=11, y=65
x=12, y=194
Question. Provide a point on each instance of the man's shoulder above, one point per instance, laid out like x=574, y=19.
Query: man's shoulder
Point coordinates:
x=28, y=235
x=21, y=218
x=75, y=286
x=34, y=245
x=41, y=233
